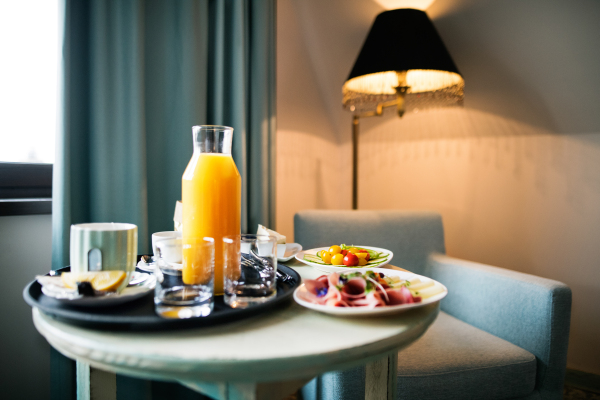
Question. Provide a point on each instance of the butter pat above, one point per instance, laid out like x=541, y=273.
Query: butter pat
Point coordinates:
x=265, y=231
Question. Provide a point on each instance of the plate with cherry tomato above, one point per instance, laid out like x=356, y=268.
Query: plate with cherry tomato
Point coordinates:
x=345, y=257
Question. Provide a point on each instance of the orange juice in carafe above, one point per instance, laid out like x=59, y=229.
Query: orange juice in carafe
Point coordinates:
x=211, y=197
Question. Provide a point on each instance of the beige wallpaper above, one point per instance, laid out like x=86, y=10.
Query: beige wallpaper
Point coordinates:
x=515, y=173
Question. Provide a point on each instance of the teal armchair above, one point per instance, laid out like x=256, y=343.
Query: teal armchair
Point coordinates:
x=500, y=334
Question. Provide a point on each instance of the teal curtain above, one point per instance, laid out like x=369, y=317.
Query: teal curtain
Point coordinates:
x=137, y=76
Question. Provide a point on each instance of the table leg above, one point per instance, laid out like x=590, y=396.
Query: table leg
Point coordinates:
x=95, y=384
x=247, y=391
x=380, y=378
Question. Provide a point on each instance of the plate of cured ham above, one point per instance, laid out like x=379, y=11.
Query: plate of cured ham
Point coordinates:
x=372, y=292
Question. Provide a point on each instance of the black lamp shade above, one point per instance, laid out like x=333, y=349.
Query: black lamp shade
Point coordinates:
x=403, y=48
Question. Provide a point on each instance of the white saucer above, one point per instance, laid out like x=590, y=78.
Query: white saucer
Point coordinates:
x=150, y=267
x=130, y=293
x=285, y=252
x=146, y=267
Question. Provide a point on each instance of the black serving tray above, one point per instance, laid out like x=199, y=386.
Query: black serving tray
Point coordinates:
x=139, y=314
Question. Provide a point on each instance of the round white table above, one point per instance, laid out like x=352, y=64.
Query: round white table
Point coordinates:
x=267, y=357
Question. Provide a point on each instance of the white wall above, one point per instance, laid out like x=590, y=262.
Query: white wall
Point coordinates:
x=515, y=173
x=25, y=251
x=308, y=154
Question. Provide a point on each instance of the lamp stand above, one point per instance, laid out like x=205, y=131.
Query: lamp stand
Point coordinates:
x=355, y=129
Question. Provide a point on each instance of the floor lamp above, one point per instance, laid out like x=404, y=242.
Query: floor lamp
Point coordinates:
x=403, y=63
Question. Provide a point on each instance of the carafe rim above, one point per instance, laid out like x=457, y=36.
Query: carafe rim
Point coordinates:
x=215, y=127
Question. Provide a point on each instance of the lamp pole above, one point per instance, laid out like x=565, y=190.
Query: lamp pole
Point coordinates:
x=355, y=128
x=399, y=103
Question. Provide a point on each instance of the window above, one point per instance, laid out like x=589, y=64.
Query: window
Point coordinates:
x=25, y=189
x=29, y=81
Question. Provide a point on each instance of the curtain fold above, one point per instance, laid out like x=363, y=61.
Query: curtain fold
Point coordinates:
x=137, y=75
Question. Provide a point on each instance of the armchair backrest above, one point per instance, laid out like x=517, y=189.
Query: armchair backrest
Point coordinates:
x=411, y=235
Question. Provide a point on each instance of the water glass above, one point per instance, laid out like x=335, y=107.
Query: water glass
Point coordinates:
x=250, y=268
x=185, y=290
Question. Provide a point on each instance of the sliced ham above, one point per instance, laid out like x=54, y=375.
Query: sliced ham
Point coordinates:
x=315, y=286
x=336, y=303
x=324, y=290
x=399, y=296
x=355, y=286
x=333, y=293
x=354, y=289
x=323, y=279
x=333, y=278
x=371, y=300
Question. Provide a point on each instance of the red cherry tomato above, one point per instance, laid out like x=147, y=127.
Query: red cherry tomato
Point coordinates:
x=344, y=252
x=368, y=257
x=350, y=260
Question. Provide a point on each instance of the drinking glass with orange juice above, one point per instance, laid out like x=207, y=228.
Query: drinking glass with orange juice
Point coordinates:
x=184, y=293
x=211, y=196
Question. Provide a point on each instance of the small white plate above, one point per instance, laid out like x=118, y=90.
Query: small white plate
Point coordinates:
x=285, y=252
x=142, y=265
x=300, y=293
x=150, y=267
x=341, y=268
x=130, y=293
x=137, y=278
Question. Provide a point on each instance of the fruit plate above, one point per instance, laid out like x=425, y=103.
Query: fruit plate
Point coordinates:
x=341, y=268
x=300, y=298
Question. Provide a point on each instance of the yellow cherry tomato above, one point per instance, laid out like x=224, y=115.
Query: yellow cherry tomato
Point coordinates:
x=353, y=250
x=326, y=257
x=362, y=261
x=335, y=249
x=362, y=255
x=338, y=259
x=322, y=253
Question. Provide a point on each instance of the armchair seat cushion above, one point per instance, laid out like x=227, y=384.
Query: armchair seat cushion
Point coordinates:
x=454, y=360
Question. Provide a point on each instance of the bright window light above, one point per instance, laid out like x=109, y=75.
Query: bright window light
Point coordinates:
x=29, y=76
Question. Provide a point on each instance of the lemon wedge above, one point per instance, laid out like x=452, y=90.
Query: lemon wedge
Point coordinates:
x=101, y=280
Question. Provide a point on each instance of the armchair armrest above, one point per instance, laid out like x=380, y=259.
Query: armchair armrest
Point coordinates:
x=531, y=312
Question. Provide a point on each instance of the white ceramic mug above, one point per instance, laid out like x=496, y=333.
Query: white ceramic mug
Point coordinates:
x=171, y=250
x=104, y=247
x=159, y=236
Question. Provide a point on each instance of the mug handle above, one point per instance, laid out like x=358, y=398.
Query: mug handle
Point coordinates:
x=95, y=260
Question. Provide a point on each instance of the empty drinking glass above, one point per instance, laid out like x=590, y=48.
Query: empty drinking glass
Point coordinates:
x=250, y=268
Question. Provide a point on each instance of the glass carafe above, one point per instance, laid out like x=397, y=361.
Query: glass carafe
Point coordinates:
x=211, y=194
